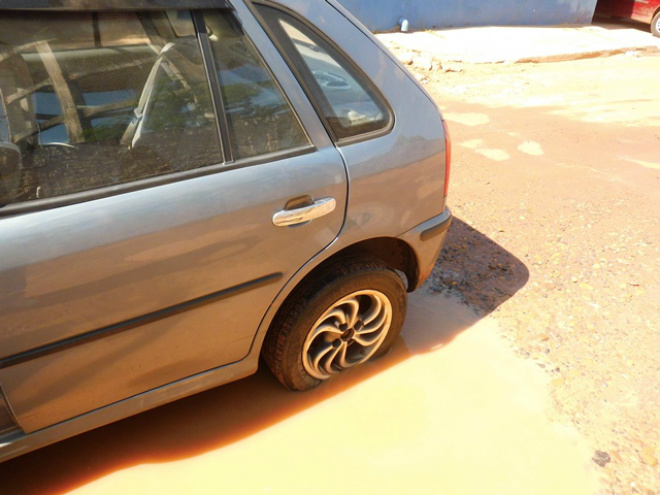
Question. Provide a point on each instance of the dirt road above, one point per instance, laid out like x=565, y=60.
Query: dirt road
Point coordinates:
x=559, y=165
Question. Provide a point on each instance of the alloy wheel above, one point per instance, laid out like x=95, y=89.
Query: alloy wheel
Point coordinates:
x=348, y=333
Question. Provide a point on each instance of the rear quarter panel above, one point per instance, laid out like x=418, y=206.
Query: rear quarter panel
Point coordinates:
x=396, y=180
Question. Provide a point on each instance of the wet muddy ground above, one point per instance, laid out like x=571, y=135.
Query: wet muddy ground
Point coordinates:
x=451, y=409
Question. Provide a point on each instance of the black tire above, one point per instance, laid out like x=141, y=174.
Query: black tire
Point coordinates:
x=655, y=24
x=307, y=342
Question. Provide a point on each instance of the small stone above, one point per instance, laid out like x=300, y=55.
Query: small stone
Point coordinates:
x=647, y=456
x=407, y=58
x=558, y=382
x=601, y=458
x=423, y=63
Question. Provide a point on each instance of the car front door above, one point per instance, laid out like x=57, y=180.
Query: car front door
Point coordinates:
x=147, y=238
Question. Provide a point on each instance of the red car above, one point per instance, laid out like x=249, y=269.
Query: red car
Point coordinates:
x=647, y=11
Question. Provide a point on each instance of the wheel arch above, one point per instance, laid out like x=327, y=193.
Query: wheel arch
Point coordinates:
x=393, y=252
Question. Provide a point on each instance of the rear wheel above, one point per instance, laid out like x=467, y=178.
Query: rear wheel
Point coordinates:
x=352, y=311
x=655, y=24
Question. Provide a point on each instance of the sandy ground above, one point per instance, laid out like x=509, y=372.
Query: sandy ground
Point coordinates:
x=555, y=188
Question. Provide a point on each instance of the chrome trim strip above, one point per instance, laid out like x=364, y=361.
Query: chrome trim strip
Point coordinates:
x=105, y=5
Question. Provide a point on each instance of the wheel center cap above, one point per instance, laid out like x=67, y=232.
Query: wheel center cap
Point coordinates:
x=348, y=335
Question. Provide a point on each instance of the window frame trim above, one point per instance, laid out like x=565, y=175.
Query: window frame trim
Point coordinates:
x=221, y=120
x=112, y=5
x=314, y=93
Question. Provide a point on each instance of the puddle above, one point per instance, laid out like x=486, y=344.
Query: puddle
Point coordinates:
x=655, y=166
x=531, y=148
x=450, y=410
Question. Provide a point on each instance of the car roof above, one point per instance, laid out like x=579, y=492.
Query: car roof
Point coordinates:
x=82, y=5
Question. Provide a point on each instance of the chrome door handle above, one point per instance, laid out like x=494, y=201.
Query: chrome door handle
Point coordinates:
x=285, y=218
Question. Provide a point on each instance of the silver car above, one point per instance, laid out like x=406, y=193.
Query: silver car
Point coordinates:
x=185, y=190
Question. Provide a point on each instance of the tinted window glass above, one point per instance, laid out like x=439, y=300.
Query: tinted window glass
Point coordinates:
x=260, y=118
x=347, y=99
x=93, y=100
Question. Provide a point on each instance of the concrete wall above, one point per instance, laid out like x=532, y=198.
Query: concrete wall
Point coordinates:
x=383, y=15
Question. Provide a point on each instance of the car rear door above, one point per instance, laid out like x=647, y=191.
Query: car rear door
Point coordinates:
x=118, y=278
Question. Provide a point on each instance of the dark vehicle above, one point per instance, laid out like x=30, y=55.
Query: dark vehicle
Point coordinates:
x=186, y=186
